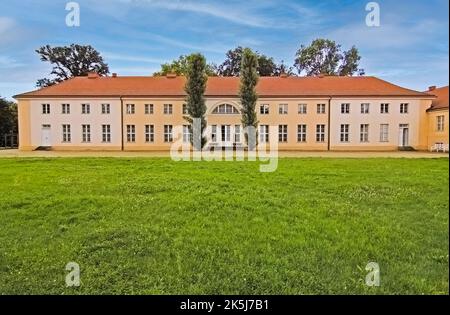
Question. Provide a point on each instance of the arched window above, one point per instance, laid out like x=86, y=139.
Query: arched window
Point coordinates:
x=225, y=109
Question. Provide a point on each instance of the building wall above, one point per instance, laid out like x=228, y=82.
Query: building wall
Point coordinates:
x=434, y=135
x=31, y=120
x=415, y=119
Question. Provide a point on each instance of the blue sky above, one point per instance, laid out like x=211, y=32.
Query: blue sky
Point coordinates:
x=410, y=48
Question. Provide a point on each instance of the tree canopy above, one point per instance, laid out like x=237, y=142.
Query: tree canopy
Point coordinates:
x=8, y=117
x=180, y=67
x=324, y=56
x=70, y=61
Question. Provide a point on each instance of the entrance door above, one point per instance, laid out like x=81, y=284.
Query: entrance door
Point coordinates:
x=45, y=136
x=404, y=135
x=226, y=135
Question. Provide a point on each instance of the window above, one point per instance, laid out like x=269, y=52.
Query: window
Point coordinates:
x=264, y=109
x=65, y=108
x=440, y=123
x=320, y=133
x=214, y=133
x=149, y=133
x=185, y=109
x=168, y=133
x=404, y=108
x=130, y=109
x=148, y=109
x=344, y=132
x=384, y=133
x=66, y=137
x=364, y=133
x=345, y=108
x=106, y=109
x=237, y=133
x=131, y=133
x=302, y=108
x=106, y=133
x=321, y=108
x=45, y=108
x=282, y=133
x=264, y=133
x=85, y=108
x=186, y=134
x=225, y=132
x=167, y=109
x=225, y=109
x=384, y=108
x=86, y=133
x=301, y=133
x=365, y=108
x=283, y=109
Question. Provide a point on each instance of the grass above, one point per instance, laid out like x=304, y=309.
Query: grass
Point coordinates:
x=153, y=226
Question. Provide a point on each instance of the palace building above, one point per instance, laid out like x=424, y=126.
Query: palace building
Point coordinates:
x=305, y=113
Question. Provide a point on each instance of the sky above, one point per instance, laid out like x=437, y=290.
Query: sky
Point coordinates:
x=410, y=46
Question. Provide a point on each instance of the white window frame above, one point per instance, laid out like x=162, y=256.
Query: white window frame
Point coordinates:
x=186, y=134
x=106, y=108
x=345, y=108
x=282, y=133
x=440, y=123
x=45, y=109
x=345, y=133
x=365, y=108
x=283, y=109
x=384, y=132
x=213, y=133
x=131, y=133
x=131, y=109
x=237, y=133
x=168, y=135
x=321, y=108
x=168, y=109
x=148, y=109
x=184, y=109
x=86, y=133
x=301, y=133
x=302, y=109
x=264, y=133
x=149, y=133
x=264, y=109
x=106, y=133
x=65, y=108
x=364, y=133
x=404, y=108
x=320, y=133
x=66, y=134
x=384, y=108
x=85, y=108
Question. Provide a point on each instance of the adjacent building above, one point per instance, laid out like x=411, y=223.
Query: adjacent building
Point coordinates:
x=304, y=113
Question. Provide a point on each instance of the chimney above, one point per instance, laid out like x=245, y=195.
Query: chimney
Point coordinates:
x=114, y=75
x=92, y=75
x=432, y=88
x=171, y=75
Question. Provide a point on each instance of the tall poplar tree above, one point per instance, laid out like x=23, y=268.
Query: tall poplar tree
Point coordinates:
x=247, y=92
x=195, y=88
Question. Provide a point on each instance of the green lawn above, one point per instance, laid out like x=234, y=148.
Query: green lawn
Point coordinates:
x=153, y=226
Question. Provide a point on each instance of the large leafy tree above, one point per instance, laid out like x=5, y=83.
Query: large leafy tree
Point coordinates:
x=324, y=56
x=180, y=67
x=231, y=67
x=8, y=117
x=196, y=78
x=247, y=91
x=70, y=61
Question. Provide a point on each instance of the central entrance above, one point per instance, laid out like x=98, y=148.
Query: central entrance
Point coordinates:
x=403, y=135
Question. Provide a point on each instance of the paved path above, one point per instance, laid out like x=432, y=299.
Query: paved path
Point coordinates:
x=300, y=154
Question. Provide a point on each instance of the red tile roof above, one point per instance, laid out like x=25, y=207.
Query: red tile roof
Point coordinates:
x=441, y=102
x=223, y=86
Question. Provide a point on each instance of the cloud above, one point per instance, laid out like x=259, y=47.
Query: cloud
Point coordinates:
x=122, y=57
x=8, y=62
